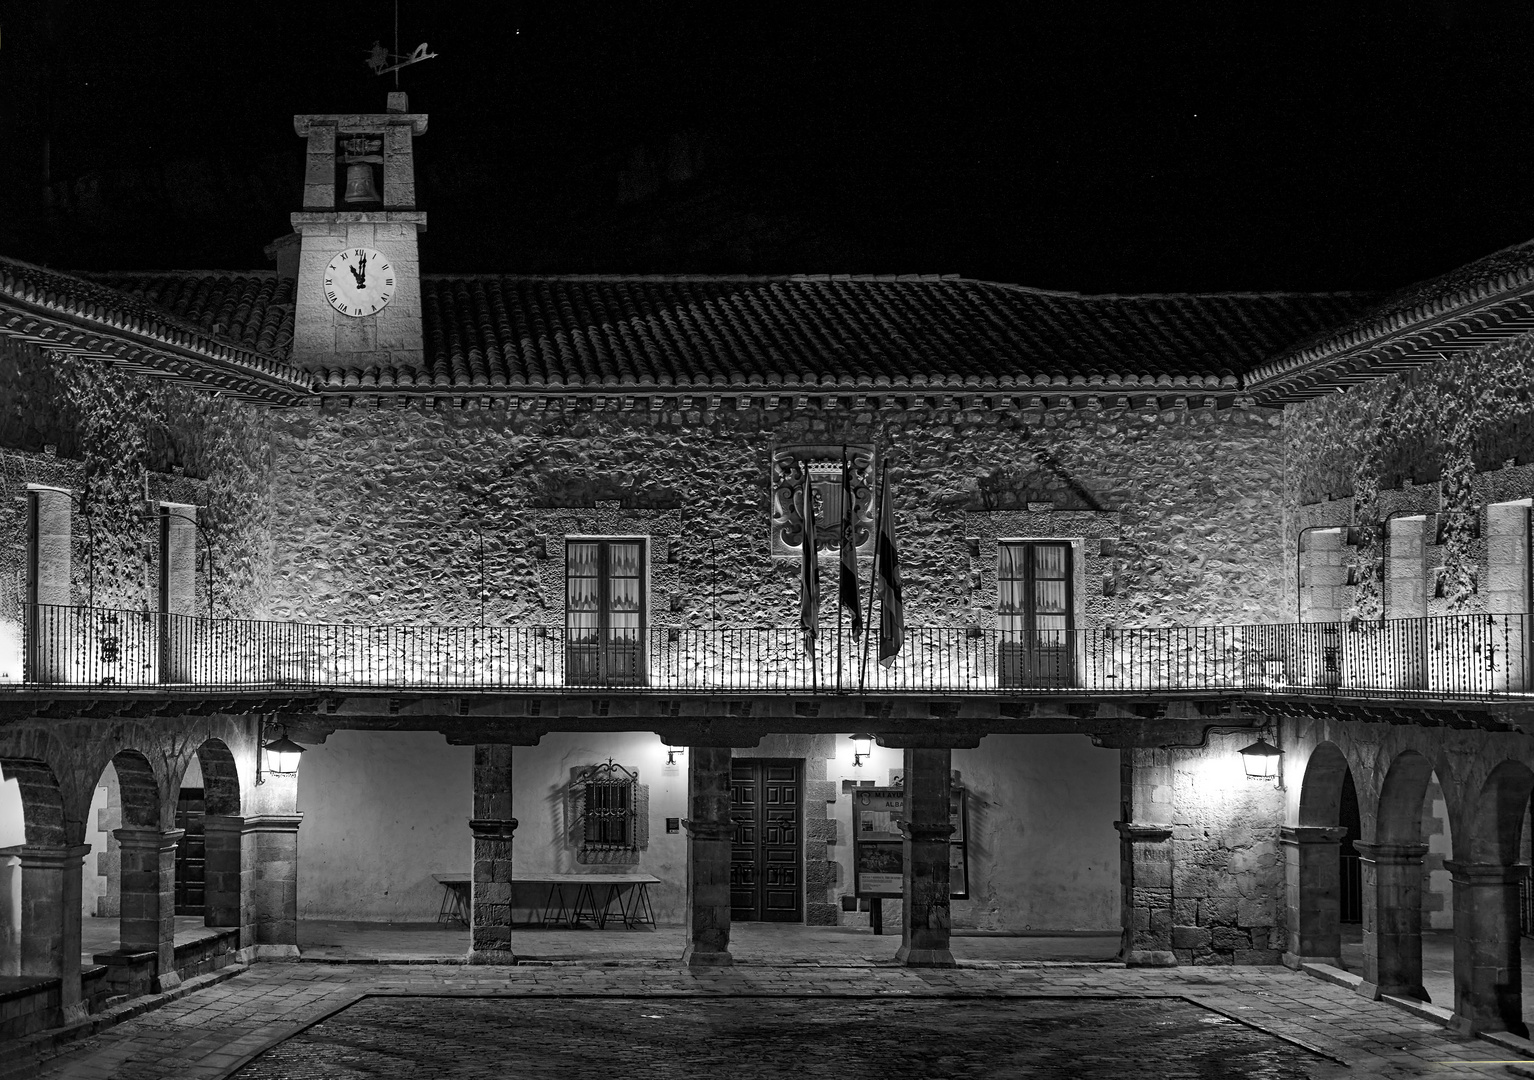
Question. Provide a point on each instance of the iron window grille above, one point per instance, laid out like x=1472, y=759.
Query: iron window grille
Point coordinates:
x=607, y=800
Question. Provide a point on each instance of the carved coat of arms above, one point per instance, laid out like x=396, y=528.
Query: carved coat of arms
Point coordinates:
x=820, y=466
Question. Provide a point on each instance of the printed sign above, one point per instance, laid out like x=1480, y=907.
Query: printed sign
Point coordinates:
x=879, y=845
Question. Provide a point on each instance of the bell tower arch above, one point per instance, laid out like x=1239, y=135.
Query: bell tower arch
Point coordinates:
x=358, y=302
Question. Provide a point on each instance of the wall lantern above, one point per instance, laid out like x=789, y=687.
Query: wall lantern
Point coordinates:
x=672, y=752
x=862, y=747
x=282, y=755
x=1261, y=760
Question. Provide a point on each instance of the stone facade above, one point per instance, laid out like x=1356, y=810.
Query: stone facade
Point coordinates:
x=380, y=512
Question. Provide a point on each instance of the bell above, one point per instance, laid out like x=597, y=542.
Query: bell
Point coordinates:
x=359, y=184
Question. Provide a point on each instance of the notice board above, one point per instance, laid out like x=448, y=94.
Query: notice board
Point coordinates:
x=878, y=848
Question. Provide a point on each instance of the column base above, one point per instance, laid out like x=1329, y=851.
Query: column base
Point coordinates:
x=276, y=952
x=694, y=957
x=76, y=1013
x=1150, y=958
x=492, y=956
x=1296, y=962
x=1465, y=1026
x=931, y=958
x=168, y=981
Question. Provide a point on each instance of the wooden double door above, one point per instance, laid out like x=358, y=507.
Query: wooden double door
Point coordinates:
x=191, y=853
x=767, y=856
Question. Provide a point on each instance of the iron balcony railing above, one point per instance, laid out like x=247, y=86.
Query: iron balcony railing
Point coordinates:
x=1451, y=657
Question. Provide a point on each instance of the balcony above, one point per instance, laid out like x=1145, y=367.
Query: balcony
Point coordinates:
x=1448, y=658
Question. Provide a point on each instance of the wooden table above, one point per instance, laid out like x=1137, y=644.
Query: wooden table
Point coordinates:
x=455, y=898
x=631, y=892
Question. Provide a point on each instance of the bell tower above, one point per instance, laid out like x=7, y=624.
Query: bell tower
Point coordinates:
x=358, y=301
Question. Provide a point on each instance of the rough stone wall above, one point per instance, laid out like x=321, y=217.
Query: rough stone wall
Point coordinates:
x=1445, y=438
x=112, y=435
x=379, y=511
x=1227, y=873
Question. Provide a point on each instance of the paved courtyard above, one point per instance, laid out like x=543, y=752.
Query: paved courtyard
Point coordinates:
x=803, y=1002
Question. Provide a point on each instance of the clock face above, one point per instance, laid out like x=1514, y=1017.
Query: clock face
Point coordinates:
x=359, y=281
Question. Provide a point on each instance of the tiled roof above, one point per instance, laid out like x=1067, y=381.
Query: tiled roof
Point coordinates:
x=485, y=331
x=1474, y=304
x=254, y=309
x=73, y=314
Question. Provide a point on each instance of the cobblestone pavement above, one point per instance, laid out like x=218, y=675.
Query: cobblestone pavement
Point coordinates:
x=215, y=1031
x=848, y=1038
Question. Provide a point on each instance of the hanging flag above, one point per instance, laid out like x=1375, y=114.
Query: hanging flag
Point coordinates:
x=809, y=571
x=891, y=604
x=849, y=576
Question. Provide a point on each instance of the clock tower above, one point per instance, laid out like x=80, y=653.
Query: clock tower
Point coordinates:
x=358, y=301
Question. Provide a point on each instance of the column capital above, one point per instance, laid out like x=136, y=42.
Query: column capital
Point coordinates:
x=1391, y=854
x=1135, y=831
x=146, y=839
x=223, y=823
x=1468, y=873
x=492, y=828
x=709, y=830
x=273, y=823
x=1300, y=835
x=38, y=857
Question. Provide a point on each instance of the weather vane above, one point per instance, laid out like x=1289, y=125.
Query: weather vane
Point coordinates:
x=379, y=57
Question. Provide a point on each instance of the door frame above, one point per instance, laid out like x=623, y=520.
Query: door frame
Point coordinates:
x=802, y=884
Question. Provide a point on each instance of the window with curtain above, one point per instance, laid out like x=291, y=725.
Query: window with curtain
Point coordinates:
x=1034, y=613
x=604, y=611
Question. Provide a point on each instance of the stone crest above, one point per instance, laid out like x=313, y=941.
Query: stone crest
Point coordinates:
x=820, y=466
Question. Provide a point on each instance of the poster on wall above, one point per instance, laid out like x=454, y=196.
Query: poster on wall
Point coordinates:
x=879, y=847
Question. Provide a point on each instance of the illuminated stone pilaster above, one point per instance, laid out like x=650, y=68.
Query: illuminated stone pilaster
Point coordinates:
x=1488, y=965
x=1392, y=895
x=48, y=577
x=925, y=901
x=709, y=832
x=1313, y=888
x=177, y=588
x=272, y=851
x=1145, y=858
x=492, y=829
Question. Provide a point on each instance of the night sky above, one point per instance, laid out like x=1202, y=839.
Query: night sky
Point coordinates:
x=1154, y=147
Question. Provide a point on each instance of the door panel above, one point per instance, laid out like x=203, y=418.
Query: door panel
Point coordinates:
x=765, y=859
x=191, y=859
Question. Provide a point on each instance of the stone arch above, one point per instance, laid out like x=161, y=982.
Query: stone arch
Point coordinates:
x=1497, y=817
x=42, y=803
x=1312, y=863
x=140, y=791
x=1326, y=770
x=1488, y=967
x=220, y=778
x=1393, y=879
x=1407, y=777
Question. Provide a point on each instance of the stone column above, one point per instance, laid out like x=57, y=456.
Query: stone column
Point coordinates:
x=926, y=921
x=1313, y=885
x=50, y=919
x=272, y=854
x=1488, y=967
x=709, y=833
x=1392, y=894
x=224, y=877
x=148, y=888
x=1145, y=858
x=48, y=584
x=492, y=828
x=178, y=569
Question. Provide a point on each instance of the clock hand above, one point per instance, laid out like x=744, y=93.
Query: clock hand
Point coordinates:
x=358, y=276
